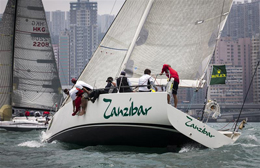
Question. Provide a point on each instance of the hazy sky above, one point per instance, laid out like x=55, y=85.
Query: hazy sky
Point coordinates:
x=104, y=6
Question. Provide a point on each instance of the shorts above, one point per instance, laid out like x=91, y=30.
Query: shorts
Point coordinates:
x=85, y=95
x=175, y=87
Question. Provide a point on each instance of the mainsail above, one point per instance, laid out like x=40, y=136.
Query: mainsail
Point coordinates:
x=32, y=78
x=6, y=59
x=150, y=33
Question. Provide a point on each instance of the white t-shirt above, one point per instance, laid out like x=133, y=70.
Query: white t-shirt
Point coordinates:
x=81, y=84
x=143, y=81
x=73, y=93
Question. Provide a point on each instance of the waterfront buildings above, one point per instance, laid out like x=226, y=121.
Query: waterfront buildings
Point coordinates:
x=243, y=20
x=104, y=22
x=48, y=18
x=64, y=58
x=58, y=22
x=236, y=55
x=255, y=61
x=56, y=52
x=83, y=34
x=1, y=15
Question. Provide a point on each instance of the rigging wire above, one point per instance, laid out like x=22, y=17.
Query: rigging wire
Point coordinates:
x=218, y=35
x=113, y=7
x=246, y=96
x=109, y=20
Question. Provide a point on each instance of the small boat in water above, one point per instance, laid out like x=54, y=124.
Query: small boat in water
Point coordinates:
x=24, y=124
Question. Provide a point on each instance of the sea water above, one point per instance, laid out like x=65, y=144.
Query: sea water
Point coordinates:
x=27, y=150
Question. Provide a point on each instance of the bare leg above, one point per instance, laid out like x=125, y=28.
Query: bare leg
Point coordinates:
x=83, y=106
x=168, y=98
x=175, y=100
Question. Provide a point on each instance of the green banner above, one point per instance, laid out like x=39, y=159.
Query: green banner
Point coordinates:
x=219, y=74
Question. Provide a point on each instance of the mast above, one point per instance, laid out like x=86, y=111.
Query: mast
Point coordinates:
x=12, y=66
x=139, y=28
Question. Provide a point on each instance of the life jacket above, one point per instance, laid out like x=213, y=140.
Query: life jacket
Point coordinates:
x=123, y=83
x=110, y=88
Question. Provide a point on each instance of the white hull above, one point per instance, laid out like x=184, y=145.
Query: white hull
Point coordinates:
x=101, y=125
x=136, y=119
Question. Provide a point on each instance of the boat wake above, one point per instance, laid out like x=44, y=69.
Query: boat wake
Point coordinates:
x=36, y=144
x=32, y=144
x=189, y=148
x=252, y=137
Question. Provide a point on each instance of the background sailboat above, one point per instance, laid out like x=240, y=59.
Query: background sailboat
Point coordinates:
x=29, y=77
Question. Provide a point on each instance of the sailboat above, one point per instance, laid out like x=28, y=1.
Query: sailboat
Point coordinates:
x=29, y=77
x=148, y=34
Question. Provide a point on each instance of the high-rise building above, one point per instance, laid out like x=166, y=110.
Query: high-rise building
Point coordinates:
x=83, y=34
x=1, y=15
x=64, y=58
x=104, y=22
x=243, y=20
x=48, y=18
x=255, y=61
x=56, y=52
x=67, y=21
x=236, y=55
x=58, y=22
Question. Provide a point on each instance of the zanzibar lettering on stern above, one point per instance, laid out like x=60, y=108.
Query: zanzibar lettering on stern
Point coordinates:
x=201, y=130
x=124, y=111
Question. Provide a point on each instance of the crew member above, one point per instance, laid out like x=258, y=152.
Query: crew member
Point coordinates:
x=147, y=80
x=171, y=73
x=77, y=100
x=123, y=83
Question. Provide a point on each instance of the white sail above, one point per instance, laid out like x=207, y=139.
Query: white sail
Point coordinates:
x=165, y=37
x=32, y=78
x=110, y=54
x=36, y=81
x=6, y=52
x=182, y=43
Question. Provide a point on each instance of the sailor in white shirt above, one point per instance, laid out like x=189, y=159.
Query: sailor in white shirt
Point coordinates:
x=146, y=79
x=86, y=88
x=73, y=93
x=78, y=102
x=82, y=85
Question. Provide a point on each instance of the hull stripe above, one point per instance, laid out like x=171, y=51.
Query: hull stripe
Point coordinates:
x=151, y=126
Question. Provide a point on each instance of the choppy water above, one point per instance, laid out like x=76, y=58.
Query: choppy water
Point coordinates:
x=18, y=149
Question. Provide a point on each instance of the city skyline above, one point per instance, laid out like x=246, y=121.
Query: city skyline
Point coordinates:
x=104, y=6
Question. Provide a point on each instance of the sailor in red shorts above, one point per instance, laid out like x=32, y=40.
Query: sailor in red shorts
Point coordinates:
x=77, y=100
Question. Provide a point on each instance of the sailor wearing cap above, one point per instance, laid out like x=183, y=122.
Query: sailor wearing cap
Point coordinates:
x=123, y=83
